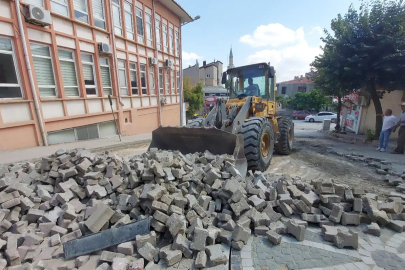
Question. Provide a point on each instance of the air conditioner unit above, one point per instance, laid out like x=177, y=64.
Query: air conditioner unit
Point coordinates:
x=104, y=48
x=169, y=64
x=37, y=15
x=163, y=100
x=153, y=61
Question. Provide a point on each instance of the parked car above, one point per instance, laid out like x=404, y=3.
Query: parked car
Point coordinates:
x=319, y=117
x=300, y=114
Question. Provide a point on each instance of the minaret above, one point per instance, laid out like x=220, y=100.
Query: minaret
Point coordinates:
x=231, y=60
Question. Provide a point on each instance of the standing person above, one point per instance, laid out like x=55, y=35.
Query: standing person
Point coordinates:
x=389, y=122
x=401, y=132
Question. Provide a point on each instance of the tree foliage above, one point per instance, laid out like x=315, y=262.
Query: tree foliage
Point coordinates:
x=304, y=101
x=366, y=50
x=194, y=96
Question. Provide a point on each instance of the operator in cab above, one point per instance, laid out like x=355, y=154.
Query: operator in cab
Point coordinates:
x=252, y=89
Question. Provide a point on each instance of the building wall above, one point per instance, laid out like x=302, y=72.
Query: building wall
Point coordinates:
x=136, y=113
x=390, y=101
x=192, y=73
x=292, y=89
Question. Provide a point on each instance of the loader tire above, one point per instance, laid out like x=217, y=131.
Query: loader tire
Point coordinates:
x=195, y=123
x=285, y=143
x=258, y=138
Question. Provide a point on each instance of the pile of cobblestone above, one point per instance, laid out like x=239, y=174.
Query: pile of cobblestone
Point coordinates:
x=196, y=204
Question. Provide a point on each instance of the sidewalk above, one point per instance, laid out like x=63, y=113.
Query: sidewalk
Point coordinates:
x=19, y=155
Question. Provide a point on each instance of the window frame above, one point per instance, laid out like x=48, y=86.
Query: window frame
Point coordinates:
x=109, y=74
x=95, y=17
x=94, y=75
x=136, y=78
x=53, y=71
x=171, y=40
x=176, y=42
x=173, y=89
x=167, y=82
x=165, y=38
x=158, y=33
x=178, y=81
x=152, y=86
x=125, y=76
x=84, y=12
x=29, y=2
x=130, y=12
x=146, y=79
x=59, y=2
x=117, y=5
x=16, y=70
x=140, y=38
x=161, y=82
x=149, y=34
x=75, y=65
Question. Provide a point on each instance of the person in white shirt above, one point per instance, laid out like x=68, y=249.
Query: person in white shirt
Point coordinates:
x=401, y=132
x=389, y=122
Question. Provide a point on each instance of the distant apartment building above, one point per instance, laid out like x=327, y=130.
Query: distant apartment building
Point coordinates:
x=60, y=59
x=209, y=75
x=300, y=84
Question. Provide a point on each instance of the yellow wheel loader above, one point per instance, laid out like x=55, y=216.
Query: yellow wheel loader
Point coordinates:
x=245, y=126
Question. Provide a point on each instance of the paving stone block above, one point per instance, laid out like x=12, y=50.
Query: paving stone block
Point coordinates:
x=346, y=239
x=99, y=218
x=241, y=234
x=201, y=259
x=336, y=213
x=147, y=251
x=200, y=237
x=310, y=198
x=287, y=210
x=373, y=229
x=216, y=255
x=273, y=237
x=350, y=218
x=298, y=231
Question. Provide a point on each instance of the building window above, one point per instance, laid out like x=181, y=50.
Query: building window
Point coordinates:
x=302, y=89
x=208, y=75
x=165, y=44
x=283, y=90
x=171, y=40
x=158, y=34
x=134, y=78
x=41, y=56
x=178, y=81
x=172, y=80
x=68, y=69
x=143, y=79
x=117, y=17
x=9, y=75
x=38, y=3
x=81, y=13
x=60, y=7
x=129, y=23
x=176, y=42
x=167, y=82
x=88, y=74
x=149, y=40
x=139, y=26
x=161, y=80
x=105, y=76
x=98, y=12
x=152, y=80
x=122, y=78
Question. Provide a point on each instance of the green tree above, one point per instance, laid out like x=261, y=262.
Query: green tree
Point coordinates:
x=371, y=44
x=309, y=100
x=194, y=96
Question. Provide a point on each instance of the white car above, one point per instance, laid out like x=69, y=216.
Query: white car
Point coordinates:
x=319, y=117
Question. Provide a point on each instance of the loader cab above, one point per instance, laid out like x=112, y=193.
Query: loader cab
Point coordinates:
x=252, y=80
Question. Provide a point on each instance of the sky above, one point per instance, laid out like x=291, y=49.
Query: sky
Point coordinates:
x=285, y=33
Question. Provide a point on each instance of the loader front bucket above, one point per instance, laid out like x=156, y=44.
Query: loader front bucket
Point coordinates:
x=189, y=140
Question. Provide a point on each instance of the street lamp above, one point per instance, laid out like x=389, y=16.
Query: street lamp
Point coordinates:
x=181, y=75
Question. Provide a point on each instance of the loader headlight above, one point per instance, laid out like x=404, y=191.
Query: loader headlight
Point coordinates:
x=259, y=106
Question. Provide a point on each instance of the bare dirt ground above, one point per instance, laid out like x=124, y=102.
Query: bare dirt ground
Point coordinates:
x=310, y=160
